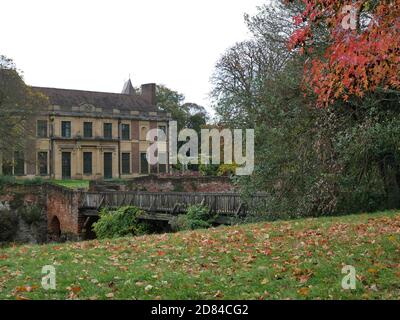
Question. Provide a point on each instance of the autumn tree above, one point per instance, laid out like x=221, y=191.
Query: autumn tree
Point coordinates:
x=362, y=54
x=340, y=157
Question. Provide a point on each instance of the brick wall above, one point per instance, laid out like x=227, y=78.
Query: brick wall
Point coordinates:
x=63, y=209
x=171, y=184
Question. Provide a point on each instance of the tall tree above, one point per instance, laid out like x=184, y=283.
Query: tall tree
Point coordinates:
x=18, y=107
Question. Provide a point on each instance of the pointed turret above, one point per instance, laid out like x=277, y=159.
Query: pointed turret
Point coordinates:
x=128, y=88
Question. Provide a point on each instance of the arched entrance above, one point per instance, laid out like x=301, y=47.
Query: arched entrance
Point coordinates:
x=55, y=229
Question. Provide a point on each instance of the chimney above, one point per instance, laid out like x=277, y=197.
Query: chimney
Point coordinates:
x=149, y=93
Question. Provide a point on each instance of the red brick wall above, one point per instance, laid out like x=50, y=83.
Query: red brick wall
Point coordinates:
x=64, y=205
x=182, y=184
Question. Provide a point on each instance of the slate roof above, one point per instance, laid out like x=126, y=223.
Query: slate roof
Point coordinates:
x=107, y=101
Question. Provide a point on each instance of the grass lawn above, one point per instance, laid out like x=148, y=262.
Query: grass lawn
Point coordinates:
x=299, y=259
x=72, y=184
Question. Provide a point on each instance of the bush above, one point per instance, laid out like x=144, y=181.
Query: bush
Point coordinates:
x=119, y=223
x=197, y=217
x=7, y=180
x=30, y=214
x=8, y=225
x=208, y=169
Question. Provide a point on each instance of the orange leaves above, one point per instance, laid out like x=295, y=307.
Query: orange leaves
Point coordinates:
x=161, y=253
x=355, y=62
x=25, y=288
x=73, y=291
x=303, y=291
x=302, y=275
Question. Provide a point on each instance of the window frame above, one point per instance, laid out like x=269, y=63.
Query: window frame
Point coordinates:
x=123, y=163
x=19, y=165
x=140, y=163
x=64, y=129
x=40, y=128
x=39, y=164
x=85, y=171
x=105, y=124
x=85, y=129
x=128, y=137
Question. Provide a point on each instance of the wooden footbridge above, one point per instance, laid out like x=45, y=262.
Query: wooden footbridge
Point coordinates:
x=163, y=206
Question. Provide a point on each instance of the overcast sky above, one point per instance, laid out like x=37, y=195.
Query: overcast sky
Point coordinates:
x=96, y=44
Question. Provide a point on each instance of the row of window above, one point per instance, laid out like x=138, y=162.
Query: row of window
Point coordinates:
x=18, y=166
x=87, y=130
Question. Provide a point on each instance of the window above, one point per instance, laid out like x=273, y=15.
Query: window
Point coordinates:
x=162, y=163
x=108, y=130
x=144, y=165
x=126, y=163
x=87, y=163
x=125, y=132
x=41, y=128
x=66, y=129
x=163, y=128
x=42, y=163
x=19, y=163
x=87, y=130
x=7, y=167
x=143, y=133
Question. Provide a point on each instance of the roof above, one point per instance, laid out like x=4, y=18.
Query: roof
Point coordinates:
x=128, y=88
x=105, y=100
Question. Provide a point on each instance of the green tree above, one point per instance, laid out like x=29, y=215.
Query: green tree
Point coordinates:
x=19, y=104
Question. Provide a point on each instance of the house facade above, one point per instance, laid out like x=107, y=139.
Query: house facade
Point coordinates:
x=93, y=135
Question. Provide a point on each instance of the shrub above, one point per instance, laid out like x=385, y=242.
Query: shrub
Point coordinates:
x=227, y=169
x=30, y=214
x=8, y=225
x=119, y=223
x=7, y=180
x=208, y=169
x=197, y=217
x=179, y=223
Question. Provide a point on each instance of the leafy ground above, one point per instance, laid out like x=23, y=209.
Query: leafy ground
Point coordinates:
x=299, y=259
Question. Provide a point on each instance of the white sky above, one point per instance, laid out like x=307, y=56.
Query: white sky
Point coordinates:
x=95, y=44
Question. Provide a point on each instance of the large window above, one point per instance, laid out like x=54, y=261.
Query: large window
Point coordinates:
x=125, y=132
x=66, y=129
x=126, y=163
x=19, y=163
x=144, y=165
x=87, y=163
x=162, y=163
x=42, y=163
x=87, y=129
x=108, y=130
x=41, y=128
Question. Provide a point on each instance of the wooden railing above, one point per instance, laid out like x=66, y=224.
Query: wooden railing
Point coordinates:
x=172, y=202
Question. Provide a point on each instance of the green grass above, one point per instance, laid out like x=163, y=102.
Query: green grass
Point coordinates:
x=72, y=184
x=299, y=259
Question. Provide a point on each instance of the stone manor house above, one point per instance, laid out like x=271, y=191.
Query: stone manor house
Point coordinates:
x=93, y=135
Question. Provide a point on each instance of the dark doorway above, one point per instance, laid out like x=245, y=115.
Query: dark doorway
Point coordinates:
x=144, y=165
x=66, y=165
x=108, y=165
x=55, y=230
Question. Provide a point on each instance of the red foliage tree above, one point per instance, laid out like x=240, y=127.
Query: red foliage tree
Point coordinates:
x=362, y=53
